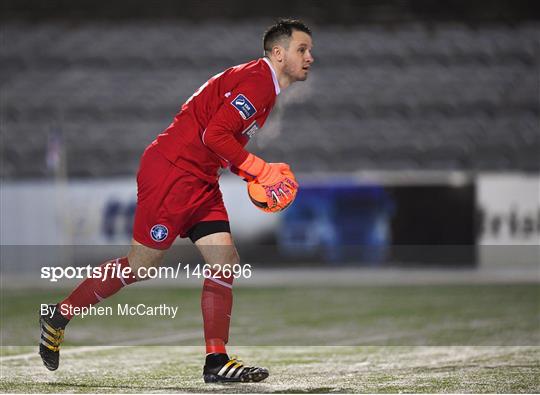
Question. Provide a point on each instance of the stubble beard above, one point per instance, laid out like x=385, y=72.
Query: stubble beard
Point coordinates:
x=290, y=74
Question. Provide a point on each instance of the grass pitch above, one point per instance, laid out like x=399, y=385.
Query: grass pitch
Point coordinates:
x=445, y=338
x=323, y=369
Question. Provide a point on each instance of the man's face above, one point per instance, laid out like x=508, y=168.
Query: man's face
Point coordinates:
x=297, y=57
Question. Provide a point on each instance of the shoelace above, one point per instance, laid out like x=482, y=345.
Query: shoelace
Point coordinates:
x=238, y=361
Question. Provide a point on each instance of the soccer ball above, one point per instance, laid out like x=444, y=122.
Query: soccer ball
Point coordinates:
x=281, y=194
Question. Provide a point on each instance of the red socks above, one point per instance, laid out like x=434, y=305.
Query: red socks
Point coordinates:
x=216, y=299
x=216, y=305
x=114, y=275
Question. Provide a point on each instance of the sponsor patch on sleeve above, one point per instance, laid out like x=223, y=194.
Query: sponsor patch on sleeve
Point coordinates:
x=251, y=129
x=244, y=106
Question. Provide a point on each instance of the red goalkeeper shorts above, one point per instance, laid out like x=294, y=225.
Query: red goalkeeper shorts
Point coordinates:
x=171, y=201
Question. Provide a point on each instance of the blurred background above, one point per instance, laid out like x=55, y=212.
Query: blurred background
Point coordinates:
x=416, y=137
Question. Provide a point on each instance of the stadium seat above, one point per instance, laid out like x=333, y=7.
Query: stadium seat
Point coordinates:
x=447, y=97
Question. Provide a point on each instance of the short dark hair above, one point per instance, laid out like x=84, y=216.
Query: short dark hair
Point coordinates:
x=282, y=28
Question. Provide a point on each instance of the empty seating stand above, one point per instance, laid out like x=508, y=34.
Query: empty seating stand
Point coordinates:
x=406, y=97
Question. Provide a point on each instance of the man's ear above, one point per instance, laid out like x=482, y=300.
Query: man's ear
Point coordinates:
x=278, y=52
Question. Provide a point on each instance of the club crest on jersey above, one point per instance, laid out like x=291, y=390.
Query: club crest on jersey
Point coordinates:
x=244, y=106
x=159, y=232
x=251, y=129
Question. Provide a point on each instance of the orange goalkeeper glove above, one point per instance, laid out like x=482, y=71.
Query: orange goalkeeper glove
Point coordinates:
x=274, y=186
x=241, y=173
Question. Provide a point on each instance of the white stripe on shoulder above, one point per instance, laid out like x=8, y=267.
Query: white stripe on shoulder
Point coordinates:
x=274, y=77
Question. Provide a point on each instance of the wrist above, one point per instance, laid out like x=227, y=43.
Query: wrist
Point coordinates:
x=255, y=166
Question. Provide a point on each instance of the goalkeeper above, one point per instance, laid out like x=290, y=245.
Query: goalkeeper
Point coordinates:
x=178, y=192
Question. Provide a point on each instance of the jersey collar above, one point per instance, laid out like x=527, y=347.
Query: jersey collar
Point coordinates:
x=274, y=78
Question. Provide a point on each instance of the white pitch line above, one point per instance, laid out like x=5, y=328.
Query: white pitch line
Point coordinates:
x=140, y=342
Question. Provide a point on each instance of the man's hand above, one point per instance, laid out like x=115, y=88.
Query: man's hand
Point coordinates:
x=272, y=186
x=274, y=189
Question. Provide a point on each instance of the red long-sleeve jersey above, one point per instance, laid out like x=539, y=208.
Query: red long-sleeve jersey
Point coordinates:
x=217, y=121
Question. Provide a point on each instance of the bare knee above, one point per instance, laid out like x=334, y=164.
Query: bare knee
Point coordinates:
x=220, y=255
x=218, y=249
x=229, y=257
x=141, y=258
